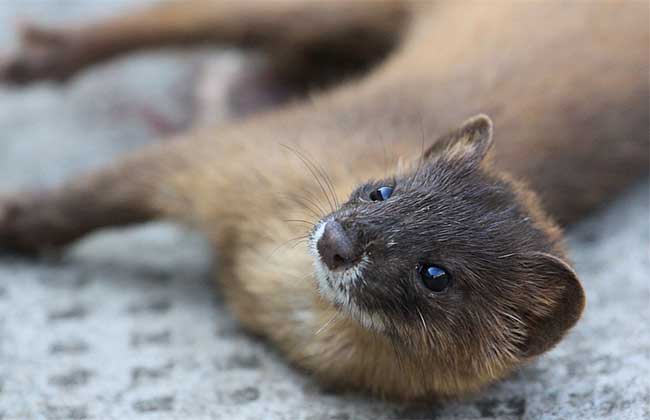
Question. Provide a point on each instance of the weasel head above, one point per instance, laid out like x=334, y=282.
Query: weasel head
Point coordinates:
x=451, y=259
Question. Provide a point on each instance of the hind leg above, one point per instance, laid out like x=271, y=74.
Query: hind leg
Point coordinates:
x=353, y=28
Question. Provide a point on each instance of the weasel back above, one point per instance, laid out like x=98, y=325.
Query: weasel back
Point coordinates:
x=566, y=85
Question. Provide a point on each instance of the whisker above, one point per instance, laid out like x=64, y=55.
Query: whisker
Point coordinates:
x=420, y=165
x=324, y=176
x=306, y=222
x=424, y=324
x=313, y=172
x=383, y=143
x=311, y=206
x=325, y=325
x=420, y=162
x=301, y=202
x=302, y=241
x=297, y=240
x=330, y=185
x=313, y=199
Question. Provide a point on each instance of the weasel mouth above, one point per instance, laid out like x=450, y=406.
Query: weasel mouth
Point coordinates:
x=337, y=273
x=337, y=286
x=343, y=263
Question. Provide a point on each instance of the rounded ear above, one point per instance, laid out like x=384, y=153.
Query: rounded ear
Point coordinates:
x=470, y=142
x=557, y=307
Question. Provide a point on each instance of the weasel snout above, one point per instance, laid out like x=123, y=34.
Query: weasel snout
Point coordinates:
x=336, y=248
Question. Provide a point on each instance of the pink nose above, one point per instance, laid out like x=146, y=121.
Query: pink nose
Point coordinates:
x=335, y=247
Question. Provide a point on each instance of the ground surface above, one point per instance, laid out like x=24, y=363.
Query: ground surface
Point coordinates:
x=127, y=324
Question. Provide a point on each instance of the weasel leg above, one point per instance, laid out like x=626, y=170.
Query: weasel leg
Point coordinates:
x=57, y=54
x=122, y=194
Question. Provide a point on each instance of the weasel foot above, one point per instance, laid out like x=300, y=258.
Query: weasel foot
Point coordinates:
x=43, y=54
x=21, y=225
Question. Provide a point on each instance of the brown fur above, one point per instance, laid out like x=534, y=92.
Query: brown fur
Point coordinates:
x=566, y=84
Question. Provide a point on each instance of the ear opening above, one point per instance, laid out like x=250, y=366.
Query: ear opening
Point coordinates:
x=558, y=309
x=471, y=141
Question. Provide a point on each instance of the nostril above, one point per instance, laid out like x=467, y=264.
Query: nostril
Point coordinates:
x=339, y=259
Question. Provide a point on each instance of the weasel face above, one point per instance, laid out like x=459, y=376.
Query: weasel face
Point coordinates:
x=450, y=259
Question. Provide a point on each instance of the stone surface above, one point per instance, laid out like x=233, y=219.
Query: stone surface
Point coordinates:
x=127, y=324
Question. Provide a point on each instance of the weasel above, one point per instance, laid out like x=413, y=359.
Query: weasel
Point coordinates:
x=377, y=247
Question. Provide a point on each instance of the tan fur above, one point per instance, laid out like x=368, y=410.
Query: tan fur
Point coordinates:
x=565, y=83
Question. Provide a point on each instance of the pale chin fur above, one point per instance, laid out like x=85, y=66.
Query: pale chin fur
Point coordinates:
x=336, y=286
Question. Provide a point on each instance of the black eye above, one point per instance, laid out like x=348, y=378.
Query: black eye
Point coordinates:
x=381, y=194
x=434, y=278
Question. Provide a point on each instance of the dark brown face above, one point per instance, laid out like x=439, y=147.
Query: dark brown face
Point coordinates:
x=449, y=257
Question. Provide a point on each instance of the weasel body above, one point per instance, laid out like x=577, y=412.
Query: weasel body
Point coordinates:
x=377, y=249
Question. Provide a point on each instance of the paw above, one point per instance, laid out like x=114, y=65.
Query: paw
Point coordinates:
x=43, y=54
x=19, y=230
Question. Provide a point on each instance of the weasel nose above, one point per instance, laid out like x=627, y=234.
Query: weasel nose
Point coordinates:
x=335, y=247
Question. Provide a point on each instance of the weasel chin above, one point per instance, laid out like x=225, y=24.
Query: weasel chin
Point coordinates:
x=336, y=286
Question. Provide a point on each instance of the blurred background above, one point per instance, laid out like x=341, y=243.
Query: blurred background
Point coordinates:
x=127, y=324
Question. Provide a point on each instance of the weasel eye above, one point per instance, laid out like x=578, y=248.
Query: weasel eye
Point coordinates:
x=434, y=278
x=381, y=194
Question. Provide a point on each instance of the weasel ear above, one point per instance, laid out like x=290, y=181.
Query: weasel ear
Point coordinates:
x=556, y=306
x=470, y=142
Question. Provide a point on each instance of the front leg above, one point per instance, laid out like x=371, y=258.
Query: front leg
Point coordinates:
x=122, y=194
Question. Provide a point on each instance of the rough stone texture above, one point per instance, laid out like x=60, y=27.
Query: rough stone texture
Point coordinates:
x=127, y=324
